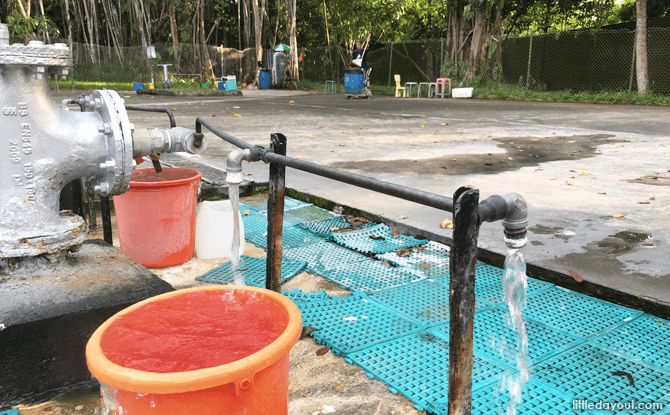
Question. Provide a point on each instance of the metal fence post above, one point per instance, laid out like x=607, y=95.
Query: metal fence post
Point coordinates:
x=463, y=260
x=632, y=64
x=441, y=51
x=530, y=51
x=275, y=215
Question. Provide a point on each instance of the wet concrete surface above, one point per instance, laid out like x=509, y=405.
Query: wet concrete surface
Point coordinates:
x=607, y=175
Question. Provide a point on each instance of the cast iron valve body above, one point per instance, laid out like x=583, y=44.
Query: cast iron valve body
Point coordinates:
x=47, y=146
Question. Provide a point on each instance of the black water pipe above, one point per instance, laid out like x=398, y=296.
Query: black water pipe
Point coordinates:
x=164, y=110
x=200, y=122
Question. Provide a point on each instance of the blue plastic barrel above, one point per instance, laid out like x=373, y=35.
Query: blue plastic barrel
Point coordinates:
x=354, y=81
x=264, y=79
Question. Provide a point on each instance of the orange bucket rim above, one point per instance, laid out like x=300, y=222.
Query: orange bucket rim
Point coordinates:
x=240, y=372
x=168, y=183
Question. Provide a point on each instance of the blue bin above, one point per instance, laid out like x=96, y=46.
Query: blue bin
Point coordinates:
x=354, y=81
x=264, y=79
x=137, y=85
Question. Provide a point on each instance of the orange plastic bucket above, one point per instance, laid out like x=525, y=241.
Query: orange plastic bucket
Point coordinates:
x=255, y=385
x=156, y=216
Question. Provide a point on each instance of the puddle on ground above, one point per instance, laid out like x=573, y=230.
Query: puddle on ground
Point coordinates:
x=524, y=151
x=626, y=242
x=653, y=180
x=555, y=231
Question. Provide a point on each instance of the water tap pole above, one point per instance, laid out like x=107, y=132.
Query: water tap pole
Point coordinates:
x=462, y=264
x=275, y=215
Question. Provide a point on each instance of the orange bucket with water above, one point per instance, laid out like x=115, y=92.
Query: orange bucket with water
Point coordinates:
x=156, y=216
x=160, y=355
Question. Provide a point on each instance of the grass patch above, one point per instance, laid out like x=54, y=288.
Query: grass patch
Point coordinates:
x=121, y=86
x=498, y=91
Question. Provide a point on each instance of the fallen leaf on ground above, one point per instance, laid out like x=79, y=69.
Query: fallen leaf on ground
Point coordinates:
x=377, y=237
x=310, y=135
x=571, y=184
x=404, y=217
x=235, y=107
x=126, y=96
x=632, y=141
x=246, y=213
x=652, y=198
x=334, y=229
x=582, y=168
x=402, y=252
x=246, y=174
x=236, y=114
x=584, y=173
x=298, y=157
x=618, y=215
x=574, y=171
x=79, y=407
x=388, y=264
x=571, y=141
x=444, y=123
x=425, y=265
x=417, y=248
x=460, y=128
x=306, y=331
x=446, y=224
x=322, y=351
x=212, y=115
x=383, y=180
x=576, y=276
x=602, y=193
x=358, y=221
x=553, y=178
x=395, y=233
x=291, y=102
x=306, y=240
x=423, y=126
x=510, y=158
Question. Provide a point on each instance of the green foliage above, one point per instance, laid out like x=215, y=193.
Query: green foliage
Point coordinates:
x=495, y=90
x=20, y=26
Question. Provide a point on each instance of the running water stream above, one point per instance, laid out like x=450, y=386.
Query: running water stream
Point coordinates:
x=515, y=286
x=234, y=180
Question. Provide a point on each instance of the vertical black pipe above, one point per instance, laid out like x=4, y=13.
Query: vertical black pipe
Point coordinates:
x=462, y=263
x=275, y=215
x=106, y=214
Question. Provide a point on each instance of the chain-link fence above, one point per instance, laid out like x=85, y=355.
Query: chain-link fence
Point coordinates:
x=590, y=61
x=586, y=61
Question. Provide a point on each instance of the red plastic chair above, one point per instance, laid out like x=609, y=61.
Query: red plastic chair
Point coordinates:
x=442, y=82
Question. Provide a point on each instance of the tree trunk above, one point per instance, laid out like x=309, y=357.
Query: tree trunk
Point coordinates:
x=247, y=24
x=641, y=47
x=290, y=33
x=496, y=35
x=478, y=37
x=174, y=34
x=209, y=70
x=258, y=32
x=91, y=35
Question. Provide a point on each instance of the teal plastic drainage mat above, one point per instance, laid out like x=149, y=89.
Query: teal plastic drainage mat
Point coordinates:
x=577, y=314
x=424, y=301
x=14, y=411
x=376, y=240
x=352, y=323
x=262, y=205
x=308, y=213
x=324, y=228
x=434, y=256
x=495, y=339
x=255, y=223
x=646, y=338
x=253, y=271
x=417, y=366
x=371, y=275
x=587, y=373
x=323, y=256
x=299, y=295
x=292, y=237
x=537, y=399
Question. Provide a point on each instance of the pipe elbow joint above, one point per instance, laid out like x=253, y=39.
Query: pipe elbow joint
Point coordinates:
x=515, y=221
x=235, y=159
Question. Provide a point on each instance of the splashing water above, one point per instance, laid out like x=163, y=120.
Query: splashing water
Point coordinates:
x=515, y=285
x=234, y=180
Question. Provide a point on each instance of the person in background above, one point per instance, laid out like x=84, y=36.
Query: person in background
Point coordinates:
x=358, y=53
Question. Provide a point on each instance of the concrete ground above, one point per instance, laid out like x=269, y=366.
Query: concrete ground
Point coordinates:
x=596, y=177
x=579, y=167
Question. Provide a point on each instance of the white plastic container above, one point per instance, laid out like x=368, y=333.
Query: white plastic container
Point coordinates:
x=461, y=92
x=214, y=230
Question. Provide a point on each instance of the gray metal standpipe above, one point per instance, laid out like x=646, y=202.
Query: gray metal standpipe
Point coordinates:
x=50, y=146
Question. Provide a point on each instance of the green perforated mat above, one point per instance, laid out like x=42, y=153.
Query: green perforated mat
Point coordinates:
x=253, y=271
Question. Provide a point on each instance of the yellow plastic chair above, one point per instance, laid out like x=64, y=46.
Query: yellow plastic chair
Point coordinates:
x=398, y=87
